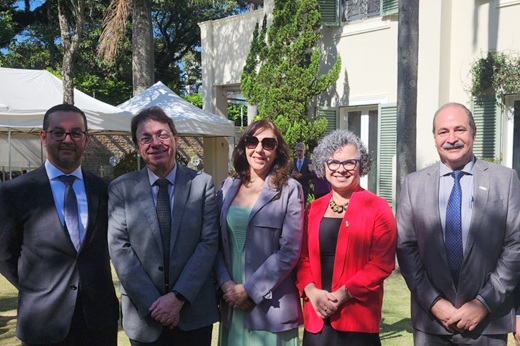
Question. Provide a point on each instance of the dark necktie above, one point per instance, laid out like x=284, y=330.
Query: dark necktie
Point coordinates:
x=164, y=216
x=70, y=210
x=453, y=236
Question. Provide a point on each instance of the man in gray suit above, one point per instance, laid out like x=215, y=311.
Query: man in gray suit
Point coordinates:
x=163, y=239
x=53, y=242
x=459, y=240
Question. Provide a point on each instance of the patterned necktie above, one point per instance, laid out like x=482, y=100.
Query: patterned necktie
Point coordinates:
x=164, y=216
x=70, y=210
x=453, y=236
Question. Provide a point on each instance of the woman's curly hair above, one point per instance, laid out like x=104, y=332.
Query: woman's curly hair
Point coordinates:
x=335, y=141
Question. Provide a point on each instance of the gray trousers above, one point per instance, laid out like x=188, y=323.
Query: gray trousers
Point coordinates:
x=425, y=339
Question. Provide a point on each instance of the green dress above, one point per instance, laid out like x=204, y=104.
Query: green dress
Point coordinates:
x=237, y=219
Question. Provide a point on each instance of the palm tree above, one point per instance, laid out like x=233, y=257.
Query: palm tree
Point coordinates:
x=142, y=36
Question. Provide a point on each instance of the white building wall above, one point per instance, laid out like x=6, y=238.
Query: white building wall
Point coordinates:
x=452, y=35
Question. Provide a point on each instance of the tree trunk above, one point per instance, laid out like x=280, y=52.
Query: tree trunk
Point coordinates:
x=142, y=46
x=407, y=61
x=70, y=43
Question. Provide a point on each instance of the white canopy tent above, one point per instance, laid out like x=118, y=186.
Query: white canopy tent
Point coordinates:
x=25, y=96
x=189, y=120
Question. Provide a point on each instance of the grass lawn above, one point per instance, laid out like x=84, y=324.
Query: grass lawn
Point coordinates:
x=396, y=329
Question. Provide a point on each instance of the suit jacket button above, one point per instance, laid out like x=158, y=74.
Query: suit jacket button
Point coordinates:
x=73, y=287
x=160, y=268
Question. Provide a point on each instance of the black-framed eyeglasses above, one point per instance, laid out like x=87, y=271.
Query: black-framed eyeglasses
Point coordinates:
x=267, y=143
x=60, y=135
x=348, y=165
x=162, y=136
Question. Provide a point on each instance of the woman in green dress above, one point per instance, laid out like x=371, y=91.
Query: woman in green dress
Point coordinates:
x=261, y=221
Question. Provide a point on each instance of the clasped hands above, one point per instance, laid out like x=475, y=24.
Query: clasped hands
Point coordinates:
x=166, y=310
x=465, y=318
x=236, y=296
x=325, y=303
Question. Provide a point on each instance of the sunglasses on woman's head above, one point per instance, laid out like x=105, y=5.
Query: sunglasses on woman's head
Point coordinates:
x=267, y=143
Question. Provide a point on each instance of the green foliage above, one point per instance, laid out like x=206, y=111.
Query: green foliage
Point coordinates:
x=128, y=163
x=233, y=109
x=6, y=26
x=281, y=72
x=497, y=72
x=194, y=99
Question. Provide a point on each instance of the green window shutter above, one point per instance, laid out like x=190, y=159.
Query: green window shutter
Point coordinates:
x=486, y=113
x=329, y=10
x=332, y=116
x=389, y=7
x=387, y=150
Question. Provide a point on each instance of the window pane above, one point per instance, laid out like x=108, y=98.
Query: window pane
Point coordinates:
x=358, y=9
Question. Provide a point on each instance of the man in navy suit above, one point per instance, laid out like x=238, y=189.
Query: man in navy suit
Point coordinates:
x=53, y=245
x=301, y=172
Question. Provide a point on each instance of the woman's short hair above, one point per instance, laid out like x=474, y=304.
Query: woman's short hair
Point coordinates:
x=335, y=141
x=281, y=166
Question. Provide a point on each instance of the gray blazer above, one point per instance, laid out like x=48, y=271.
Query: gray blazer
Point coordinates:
x=39, y=259
x=136, y=250
x=491, y=266
x=272, y=249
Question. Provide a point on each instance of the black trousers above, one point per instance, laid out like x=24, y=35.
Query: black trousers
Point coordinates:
x=330, y=336
x=179, y=337
x=80, y=335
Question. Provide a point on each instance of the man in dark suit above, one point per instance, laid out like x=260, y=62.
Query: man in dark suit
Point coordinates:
x=53, y=245
x=163, y=239
x=459, y=240
x=301, y=172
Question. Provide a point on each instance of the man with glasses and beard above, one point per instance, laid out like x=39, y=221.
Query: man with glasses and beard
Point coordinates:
x=53, y=245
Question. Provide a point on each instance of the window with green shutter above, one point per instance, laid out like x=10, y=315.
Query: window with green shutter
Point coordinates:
x=387, y=151
x=487, y=115
x=332, y=116
x=389, y=7
x=329, y=10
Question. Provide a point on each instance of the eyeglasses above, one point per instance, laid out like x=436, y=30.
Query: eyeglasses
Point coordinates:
x=267, y=143
x=161, y=136
x=60, y=135
x=348, y=165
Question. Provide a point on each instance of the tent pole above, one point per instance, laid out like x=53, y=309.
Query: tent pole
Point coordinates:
x=9, y=144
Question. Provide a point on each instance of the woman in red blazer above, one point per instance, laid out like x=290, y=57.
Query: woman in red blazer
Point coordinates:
x=348, y=249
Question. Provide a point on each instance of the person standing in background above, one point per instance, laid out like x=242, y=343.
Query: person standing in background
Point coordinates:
x=301, y=172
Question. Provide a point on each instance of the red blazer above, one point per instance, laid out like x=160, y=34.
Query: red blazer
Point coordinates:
x=365, y=256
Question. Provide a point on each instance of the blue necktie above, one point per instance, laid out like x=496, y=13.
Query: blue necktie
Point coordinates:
x=453, y=236
x=70, y=210
x=164, y=216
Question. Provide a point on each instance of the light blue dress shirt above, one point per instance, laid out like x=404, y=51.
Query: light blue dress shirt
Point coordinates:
x=172, y=176
x=58, y=192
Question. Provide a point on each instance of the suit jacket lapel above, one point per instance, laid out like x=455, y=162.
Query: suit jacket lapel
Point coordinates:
x=181, y=195
x=266, y=195
x=147, y=206
x=46, y=197
x=432, y=214
x=228, y=198
x=318, y=209
x=92, y=192
x=481, y=195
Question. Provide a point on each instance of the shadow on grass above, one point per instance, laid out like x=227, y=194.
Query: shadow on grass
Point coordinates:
x=395, y=330
x=8, y=303
x=4, y=328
